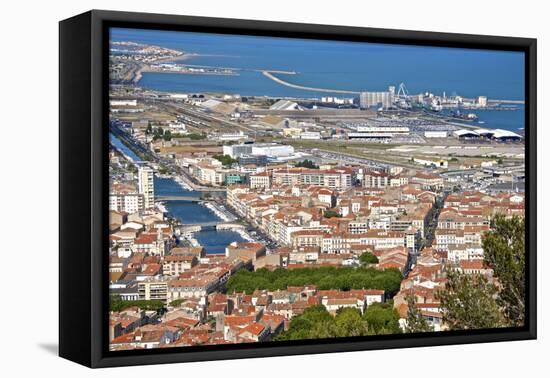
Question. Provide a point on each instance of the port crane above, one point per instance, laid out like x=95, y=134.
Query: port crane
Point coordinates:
x=402, y=97
x=402, y=92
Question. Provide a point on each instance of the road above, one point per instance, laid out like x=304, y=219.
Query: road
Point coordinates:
x=429, y=233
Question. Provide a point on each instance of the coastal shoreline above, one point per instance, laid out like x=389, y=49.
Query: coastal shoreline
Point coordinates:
x=142, y=67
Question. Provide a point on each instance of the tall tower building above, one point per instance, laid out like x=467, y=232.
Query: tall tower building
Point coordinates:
x=146, y=185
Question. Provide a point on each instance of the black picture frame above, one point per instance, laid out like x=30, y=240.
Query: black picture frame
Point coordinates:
x=83, y=181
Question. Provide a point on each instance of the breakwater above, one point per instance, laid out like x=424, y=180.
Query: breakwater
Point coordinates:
x=269, y=75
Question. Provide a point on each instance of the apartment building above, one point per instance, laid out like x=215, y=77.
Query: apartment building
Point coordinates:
x=146, y=185
x=260, y=180
x=337, y=178
x=375, y=179
x=174, y=265
x=128, y=203
x=153, y=289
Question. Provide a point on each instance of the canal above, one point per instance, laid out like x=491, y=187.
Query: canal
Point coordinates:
x=117, y=143
x=213, y=241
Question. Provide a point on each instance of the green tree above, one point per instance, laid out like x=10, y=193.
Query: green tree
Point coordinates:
x=382, y=318
x=117, y=304
x=177, y=302
x=324, y=330
x=469, y=302
x=317, y=313
x=325, y=278
x=316, y=322
x=225, y=159
x=349, y=323
x=331, y=214
x=167, y=135
x=307, y=164
x=196, y=136
x=504, y=251
x=415, y=321
x=367, y=258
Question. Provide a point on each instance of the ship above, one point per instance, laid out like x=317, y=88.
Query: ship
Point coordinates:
x=464, y=116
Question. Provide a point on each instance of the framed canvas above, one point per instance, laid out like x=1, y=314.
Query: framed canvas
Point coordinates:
x=234, y=189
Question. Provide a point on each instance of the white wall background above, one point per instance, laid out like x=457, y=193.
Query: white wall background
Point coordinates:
x=28, y=206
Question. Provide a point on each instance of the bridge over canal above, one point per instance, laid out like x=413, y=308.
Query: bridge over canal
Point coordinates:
x=218, y=225
x=180, y=198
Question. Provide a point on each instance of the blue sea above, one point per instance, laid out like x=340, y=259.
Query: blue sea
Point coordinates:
x=354, y=66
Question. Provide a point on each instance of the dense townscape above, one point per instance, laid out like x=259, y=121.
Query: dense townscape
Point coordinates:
x=353, y=215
